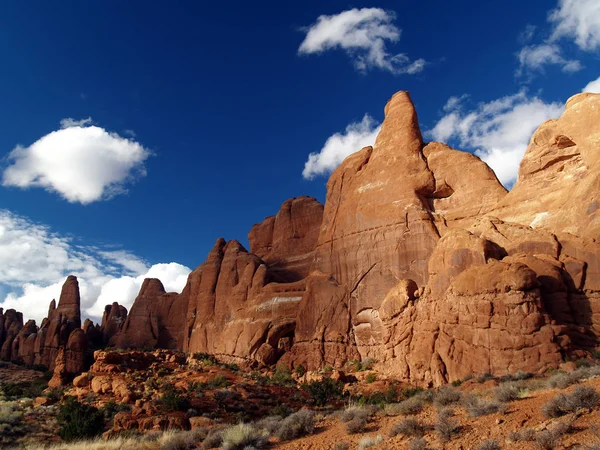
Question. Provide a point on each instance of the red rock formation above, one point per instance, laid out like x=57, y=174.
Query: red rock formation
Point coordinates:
x=113, y=320
x=11, y=323
x=386, y=209
x=286, y=242
x=61, y=321
x=156, y=319
x=23, y=346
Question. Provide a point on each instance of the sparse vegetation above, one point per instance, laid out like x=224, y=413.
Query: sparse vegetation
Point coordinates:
x=490, y=444
x=322, y=392
x=171, y=400
x=341, y=446
x=413, y=405
x=549, y=439
x=243, y=435
x=300, y=370
x=371, y=378
x=477, y=407
x=446, y=396
x=583, y=397
x=418, y=443
x=369, y=441
x=356, y=418
x=509, y=391
x=282, y=377
x=408, y=427
x=445, y=426
x=525, y=435
x=301, y=423
x=79, y=421
x=23, y=389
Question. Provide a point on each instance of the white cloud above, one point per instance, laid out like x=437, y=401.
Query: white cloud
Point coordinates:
x=498, y=132
x=35, y=262
x=340, y=145
x=578, y=20
x=82, y=164
x=363, y=34
x=535, y=57
x=593, y=86
x=70, y=122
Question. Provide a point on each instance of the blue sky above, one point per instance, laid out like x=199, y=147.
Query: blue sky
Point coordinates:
x=208, y=114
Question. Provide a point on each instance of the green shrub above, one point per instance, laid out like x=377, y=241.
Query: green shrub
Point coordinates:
x=371, y=378
x=282, y=377
x=485, y=377
x=173, y=401
x=78, y=421
x=111, y=408
x=300, y=370
x=324, y=391
x=23, y=389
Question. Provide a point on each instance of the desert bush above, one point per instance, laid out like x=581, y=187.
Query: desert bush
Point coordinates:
x=227, y=396
x=341, y=446
x=353, y=411
x=242, y=435
x=220, y=381
x=173, y=401
x=79, y=421
x=490, y=444
x=508, y=391
x=446, y=396
x=213, y=439
x=418, y=443
x=300, y=370
x=412, y=405
x=178, y=440
x=55, y=394
x=525, y=435
x=549, y=439
x=282, y=377
x=23, y=389
x=583, y=397
x=560, y=381
x=301, y=423
x=11, y=413
x=324, y=391
x=357, y=425
x=445, y=426
x=281, y=410
x=371, y=378
x=369, y=441
x=408, y=427
x=111, y=408
x=477, y=407
x=270, y=423
x=485, y=377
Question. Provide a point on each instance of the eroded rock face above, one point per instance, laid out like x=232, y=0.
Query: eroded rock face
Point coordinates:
x=113, y=320
x=426, y=264
x=62, y=320
x=11, y=323
x=236, y=311
x=156, y=319
x=286, y=242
